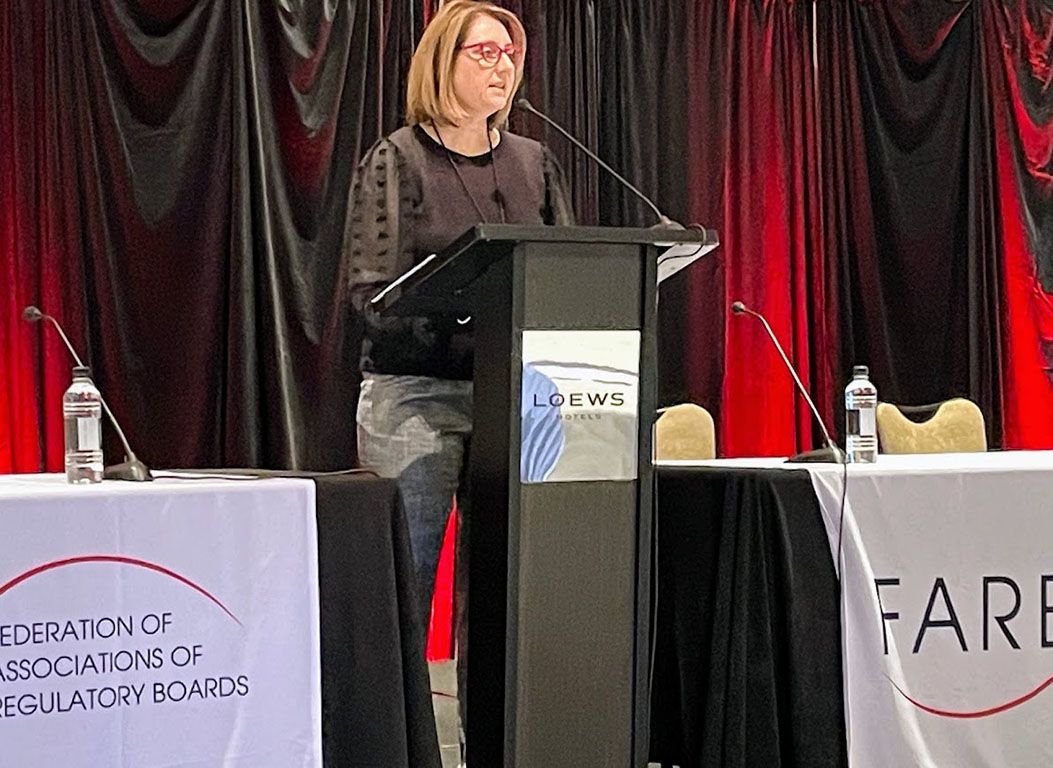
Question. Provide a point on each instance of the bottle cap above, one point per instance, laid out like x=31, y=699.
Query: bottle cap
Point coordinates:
x=81, y=372
x=860, y=371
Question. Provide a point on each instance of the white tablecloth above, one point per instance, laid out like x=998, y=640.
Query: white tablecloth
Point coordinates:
x=160, y=624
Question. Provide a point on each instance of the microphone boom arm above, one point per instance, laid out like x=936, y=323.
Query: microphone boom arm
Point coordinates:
x=662, y=218
x=739, y=308
x=131, y=468
x=57, y=327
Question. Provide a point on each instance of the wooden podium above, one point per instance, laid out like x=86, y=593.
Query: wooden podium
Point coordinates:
x=561, y=498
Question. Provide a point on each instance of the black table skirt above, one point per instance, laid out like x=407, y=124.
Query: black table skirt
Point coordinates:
x=376, y=696
x=748, y=652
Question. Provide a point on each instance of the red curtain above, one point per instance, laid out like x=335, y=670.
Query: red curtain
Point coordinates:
x=440, y=629
x=1017, y=60
x=41, y=255
x=754, y=170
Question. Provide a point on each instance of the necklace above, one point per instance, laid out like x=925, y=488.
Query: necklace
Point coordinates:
x=498, y=197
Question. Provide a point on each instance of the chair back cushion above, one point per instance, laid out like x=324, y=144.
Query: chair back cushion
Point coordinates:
x=685, y=432
x=957, y=426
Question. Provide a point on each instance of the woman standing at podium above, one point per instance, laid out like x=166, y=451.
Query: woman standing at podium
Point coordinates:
x=416, y=191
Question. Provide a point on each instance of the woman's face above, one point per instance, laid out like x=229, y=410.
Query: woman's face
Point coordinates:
x=484, y=72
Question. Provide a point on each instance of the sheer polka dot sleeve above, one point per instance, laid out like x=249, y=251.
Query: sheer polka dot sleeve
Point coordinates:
x=379, y=244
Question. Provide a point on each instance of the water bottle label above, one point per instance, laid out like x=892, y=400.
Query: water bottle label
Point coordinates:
x=862, y=422
x=88, y=434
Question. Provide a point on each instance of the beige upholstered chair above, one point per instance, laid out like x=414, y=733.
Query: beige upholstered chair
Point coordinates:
x=954, y=426
x=685, y=432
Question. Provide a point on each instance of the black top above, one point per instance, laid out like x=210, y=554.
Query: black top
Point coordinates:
x=407, y=203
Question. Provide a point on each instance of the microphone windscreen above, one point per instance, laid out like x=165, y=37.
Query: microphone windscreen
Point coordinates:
x=31, y=314
x=738, y=307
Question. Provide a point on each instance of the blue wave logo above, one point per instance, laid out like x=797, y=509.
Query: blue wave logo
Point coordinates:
x=542, y=439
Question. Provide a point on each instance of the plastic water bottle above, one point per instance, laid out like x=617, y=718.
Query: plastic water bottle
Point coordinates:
x=82, y=413
x=861, y=417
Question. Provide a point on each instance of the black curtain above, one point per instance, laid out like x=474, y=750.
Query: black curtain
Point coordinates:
x=209, y=149
x=614, y=76
x=175, y=183
x=920, y=259
x=644, y=132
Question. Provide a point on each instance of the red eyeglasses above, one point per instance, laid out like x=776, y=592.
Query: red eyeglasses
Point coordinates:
x=489, y=53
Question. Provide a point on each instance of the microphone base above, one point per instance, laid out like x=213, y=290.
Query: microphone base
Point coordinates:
x=826, y=455
x=134, y=471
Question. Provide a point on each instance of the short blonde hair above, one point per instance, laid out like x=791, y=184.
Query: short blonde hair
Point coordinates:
x=429, y=90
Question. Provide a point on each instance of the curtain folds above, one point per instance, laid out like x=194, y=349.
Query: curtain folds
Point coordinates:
x=754, y=166
x=179, y=200
x=174, y=178
x=920, y=268
x=1017, y=62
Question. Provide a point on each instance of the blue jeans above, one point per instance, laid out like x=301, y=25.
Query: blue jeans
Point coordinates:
x=416, y=429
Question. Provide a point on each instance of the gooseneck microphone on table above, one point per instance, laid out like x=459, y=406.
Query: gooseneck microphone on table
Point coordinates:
x=831, y=453
x=663, y=221
x=129, y=469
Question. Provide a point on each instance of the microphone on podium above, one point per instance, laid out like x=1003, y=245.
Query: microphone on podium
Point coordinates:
x=131, y=468
x=831, y=453
x=664, y=221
